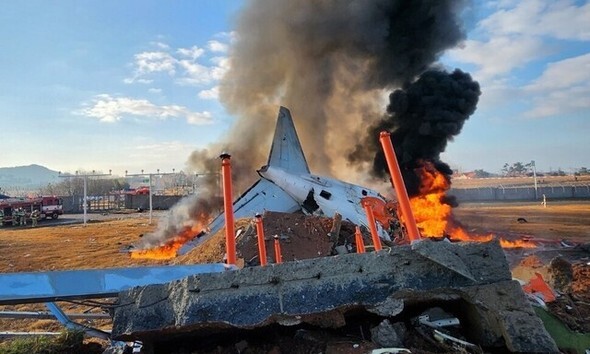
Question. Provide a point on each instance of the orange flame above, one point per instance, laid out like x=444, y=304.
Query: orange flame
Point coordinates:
x=516, y=244
x=434, y=217
x=171, y=247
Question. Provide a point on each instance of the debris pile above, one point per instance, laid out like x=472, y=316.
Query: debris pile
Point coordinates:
x=301, y=237
x=430, y=296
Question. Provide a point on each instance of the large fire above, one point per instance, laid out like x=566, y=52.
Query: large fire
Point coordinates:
x=169, y=249
x=434, y=217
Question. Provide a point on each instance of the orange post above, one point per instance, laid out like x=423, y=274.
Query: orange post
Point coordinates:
x=399, y=186
x=372, y=226
x=261, y=245
x=360, y=244
x=228, y=209
x=278, y=255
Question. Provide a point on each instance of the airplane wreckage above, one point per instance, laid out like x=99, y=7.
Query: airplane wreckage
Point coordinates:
x=459, y=293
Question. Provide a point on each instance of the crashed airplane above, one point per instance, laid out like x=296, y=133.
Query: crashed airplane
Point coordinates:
x=287, y=185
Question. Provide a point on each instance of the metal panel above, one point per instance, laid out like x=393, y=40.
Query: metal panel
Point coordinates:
x=263, y=195
x=44, y=315
x=32, y=287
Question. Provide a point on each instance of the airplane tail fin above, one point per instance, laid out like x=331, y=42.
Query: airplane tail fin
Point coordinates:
x=286, y=151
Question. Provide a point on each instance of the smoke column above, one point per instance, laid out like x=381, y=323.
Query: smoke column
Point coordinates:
x=422, y=116
x=330, y=62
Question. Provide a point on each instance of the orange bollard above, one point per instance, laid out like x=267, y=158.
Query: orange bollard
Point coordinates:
x=399, y=186
x=261, y=244
x=228, y=209
x=372, y=226
x=278, y=255
x=360, y=244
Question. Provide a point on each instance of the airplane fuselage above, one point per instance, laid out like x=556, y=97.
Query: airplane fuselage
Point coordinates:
x=322, y=195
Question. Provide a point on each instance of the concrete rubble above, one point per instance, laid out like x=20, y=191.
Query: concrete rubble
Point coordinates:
x=471, y=281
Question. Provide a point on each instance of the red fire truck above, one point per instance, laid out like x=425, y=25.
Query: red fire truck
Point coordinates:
x=48, y=207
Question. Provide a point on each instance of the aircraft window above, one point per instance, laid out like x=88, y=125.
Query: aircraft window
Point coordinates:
x=325, y=194
x=364, y=192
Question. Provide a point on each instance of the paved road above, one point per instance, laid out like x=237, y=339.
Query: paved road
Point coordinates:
x=70, y=219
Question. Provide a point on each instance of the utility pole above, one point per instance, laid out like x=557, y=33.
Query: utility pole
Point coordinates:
x=150, y=175
x=85, y=176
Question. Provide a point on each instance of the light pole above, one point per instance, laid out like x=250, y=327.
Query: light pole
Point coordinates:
x=535, y=177
x=149, y=175
x=85, y=176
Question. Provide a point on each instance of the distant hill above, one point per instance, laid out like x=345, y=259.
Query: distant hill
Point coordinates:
x=31, y=176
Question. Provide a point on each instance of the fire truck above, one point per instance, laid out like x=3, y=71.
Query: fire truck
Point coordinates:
x=48, y=207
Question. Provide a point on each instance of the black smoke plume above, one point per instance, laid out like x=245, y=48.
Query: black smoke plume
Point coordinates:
x=423, y=117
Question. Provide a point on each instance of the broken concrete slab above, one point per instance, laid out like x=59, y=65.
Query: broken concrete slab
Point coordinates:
x=323, y=291
x=388, y=334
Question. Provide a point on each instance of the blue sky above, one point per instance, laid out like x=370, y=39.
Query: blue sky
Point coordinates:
x=99, y=85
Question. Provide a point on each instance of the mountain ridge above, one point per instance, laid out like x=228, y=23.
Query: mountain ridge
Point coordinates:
x=27, y=176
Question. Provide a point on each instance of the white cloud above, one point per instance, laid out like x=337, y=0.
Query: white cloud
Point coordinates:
x=561, y=19
x=106, y=108
x=187, y=71
x=199, y=118
x=194, y=73
x=160, y=45
x=220, y=68
x=230, y=36
x=210, y=94
x=519, y=32
x=564, y=73
x=564, y=87
x=499, y=55
x=151, y=62
x=154, y=90
x=217, y=46
x=193, y=52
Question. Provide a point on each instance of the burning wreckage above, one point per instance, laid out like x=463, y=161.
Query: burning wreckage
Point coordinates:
x=420, y=287
x=418, y=290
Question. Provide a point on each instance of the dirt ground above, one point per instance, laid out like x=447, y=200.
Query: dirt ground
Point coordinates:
x=520, y=181
x=99, y=244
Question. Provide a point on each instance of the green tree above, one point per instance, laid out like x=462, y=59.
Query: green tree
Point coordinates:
x=517, y=169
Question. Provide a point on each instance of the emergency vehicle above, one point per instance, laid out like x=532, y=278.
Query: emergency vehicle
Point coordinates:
x=48, y=207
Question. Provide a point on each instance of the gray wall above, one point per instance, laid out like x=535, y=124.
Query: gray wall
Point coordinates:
x=520, y=193
x=159, y=202
x=73, y=205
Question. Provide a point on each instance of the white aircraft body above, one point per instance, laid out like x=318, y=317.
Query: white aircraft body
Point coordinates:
x=286, y=185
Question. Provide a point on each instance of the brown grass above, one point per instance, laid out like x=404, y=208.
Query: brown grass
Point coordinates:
x=557, y=221
x=96, y=245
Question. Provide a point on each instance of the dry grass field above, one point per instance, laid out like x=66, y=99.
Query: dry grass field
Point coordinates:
x=96, y=245
x=559, y=220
